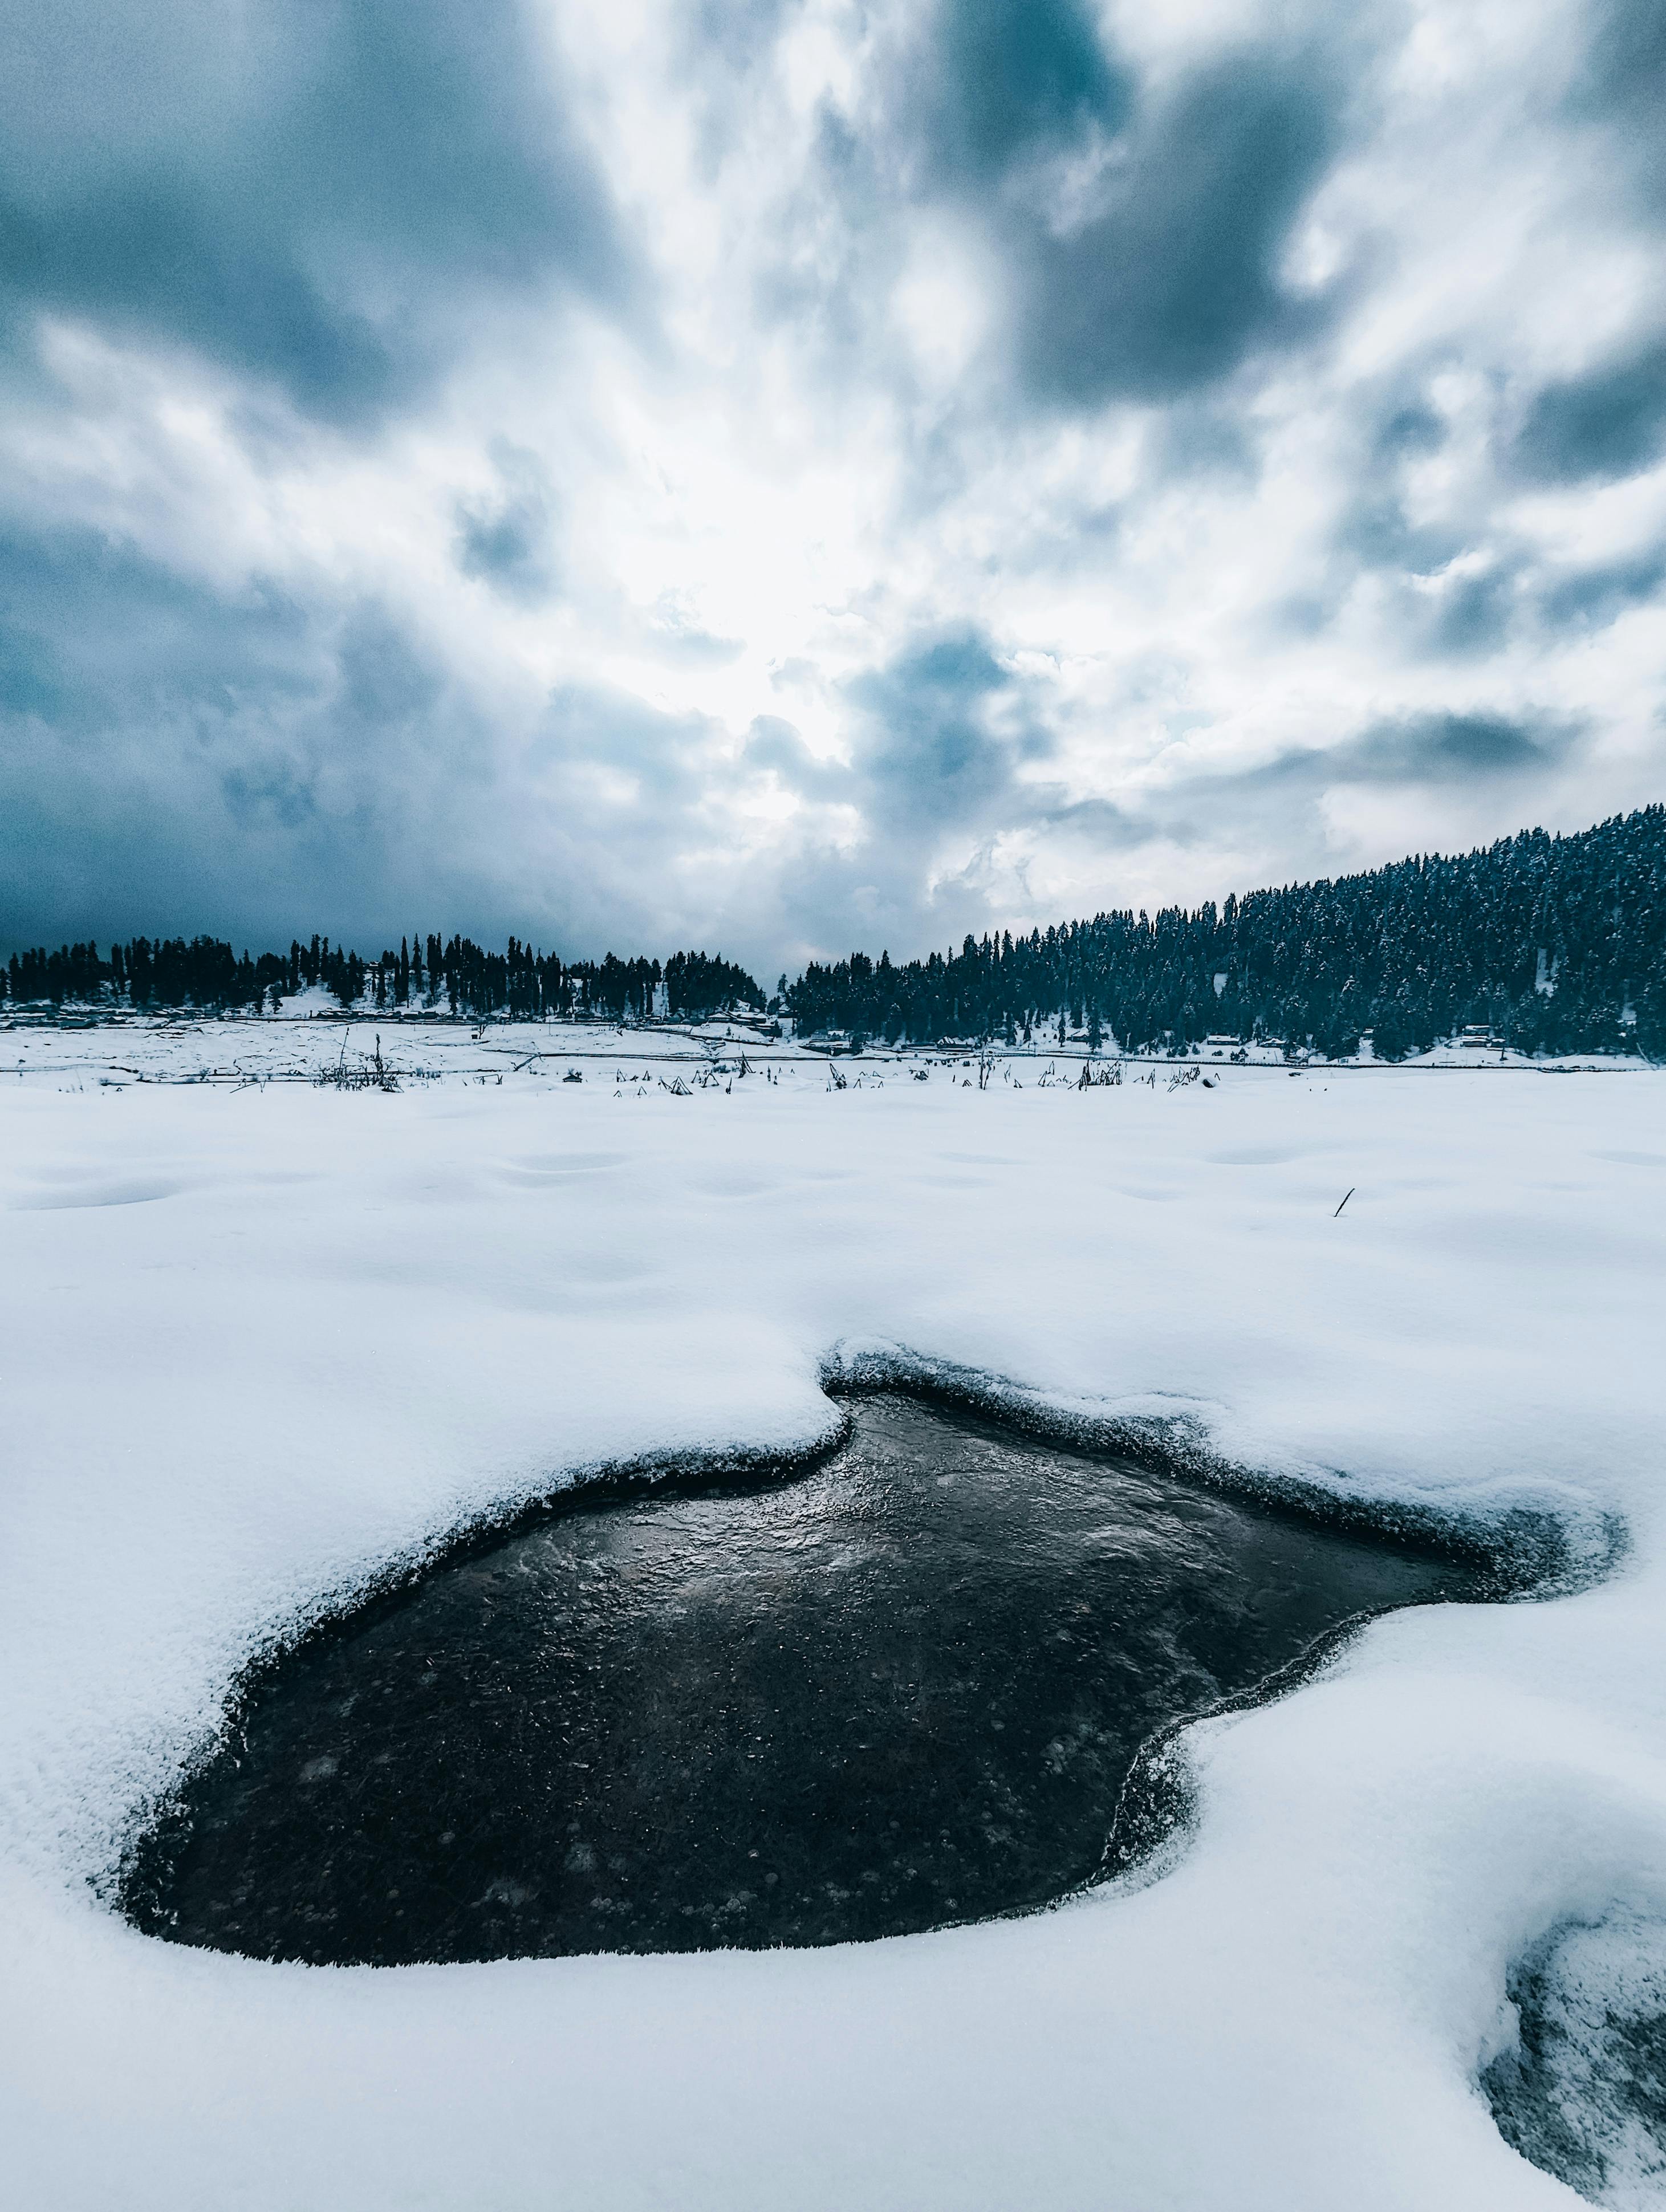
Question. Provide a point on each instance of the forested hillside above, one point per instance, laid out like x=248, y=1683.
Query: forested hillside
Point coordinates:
x=456, y=978
x=1559, y=942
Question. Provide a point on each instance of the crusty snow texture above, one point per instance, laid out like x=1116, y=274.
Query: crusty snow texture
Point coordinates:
x=257, y=1345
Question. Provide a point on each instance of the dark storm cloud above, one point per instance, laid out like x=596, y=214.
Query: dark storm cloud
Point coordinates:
x=1176, y=280
x=1006, y=79
x=313, y=195
x=92, y=635
x=172, y=758
x=506, y=540
x=1592, y=597
x=941, y=730
x=942, y=735
x=1284, y=797
x=1413, y=429
x=1441, y=748
x=1171, y=274
x=1623, y=84
x=932, y=753
x=1477, y=614
x=1139, y=231
x=1610, y=422
x=237, y=756
x=1467, y=585
x=1376, y=530
x=383, y=683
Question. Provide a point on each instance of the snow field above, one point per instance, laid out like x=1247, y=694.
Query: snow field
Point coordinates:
x=257, y=1345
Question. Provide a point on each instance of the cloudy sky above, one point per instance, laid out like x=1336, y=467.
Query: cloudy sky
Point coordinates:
x=785, y=474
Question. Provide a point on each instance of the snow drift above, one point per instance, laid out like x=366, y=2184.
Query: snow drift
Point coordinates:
x=261, y=1347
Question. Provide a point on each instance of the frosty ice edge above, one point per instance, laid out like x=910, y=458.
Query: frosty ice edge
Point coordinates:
x=916, y=1682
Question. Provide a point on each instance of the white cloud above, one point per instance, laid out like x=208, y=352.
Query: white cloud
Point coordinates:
x=795, y=441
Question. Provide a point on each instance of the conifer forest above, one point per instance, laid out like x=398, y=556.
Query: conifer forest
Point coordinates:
x=1558, y=943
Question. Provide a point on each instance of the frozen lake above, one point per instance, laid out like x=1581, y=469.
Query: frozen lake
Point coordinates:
x=902, y=1690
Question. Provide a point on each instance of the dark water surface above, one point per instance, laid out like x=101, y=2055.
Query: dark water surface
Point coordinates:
x=902, y=1689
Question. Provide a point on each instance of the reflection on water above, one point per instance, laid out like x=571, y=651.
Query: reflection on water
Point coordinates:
x=902, y=1690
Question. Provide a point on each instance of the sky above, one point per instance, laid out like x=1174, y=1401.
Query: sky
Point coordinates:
x=786, y=475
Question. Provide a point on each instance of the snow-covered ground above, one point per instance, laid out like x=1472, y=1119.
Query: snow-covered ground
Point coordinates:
x=314, y=1041
x=257, y=1340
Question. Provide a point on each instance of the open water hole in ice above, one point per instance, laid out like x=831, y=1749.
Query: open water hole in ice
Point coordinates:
x=900, y=1689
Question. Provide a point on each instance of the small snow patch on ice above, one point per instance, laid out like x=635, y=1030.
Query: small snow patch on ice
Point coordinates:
x=1582, y=2093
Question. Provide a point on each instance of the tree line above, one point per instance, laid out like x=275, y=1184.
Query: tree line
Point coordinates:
x=1559, y=943
x=453, y=976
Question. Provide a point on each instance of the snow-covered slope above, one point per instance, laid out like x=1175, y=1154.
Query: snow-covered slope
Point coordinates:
x=255, y=1345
